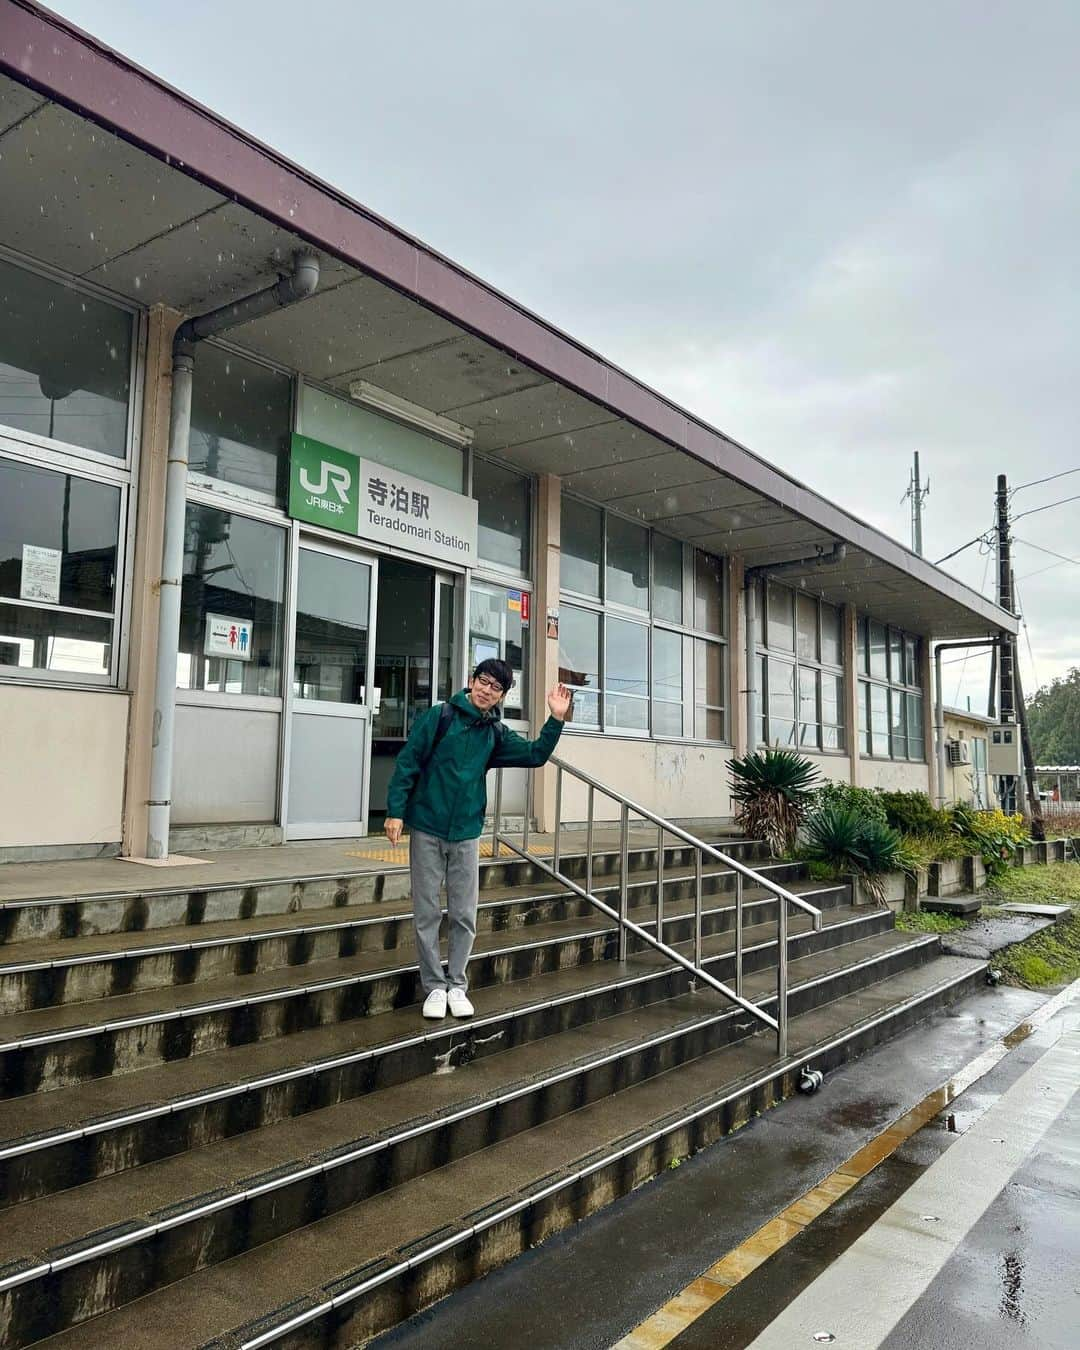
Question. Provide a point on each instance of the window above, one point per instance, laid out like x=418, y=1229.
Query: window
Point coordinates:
x=802, y=681
x=66, y=386
x=234, y=573
x=662, y=674
x=65, y=363
x=581, y=533
x=627, y=563
x=497, y=631
x=240, y=422
x=59, y=536
x=891, y=699
x=505, y=511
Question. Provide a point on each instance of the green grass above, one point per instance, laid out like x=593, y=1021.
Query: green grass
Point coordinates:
x=923, y=849
x=925, y=922
x=1051, y=957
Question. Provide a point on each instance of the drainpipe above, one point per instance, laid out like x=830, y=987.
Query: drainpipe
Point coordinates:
x=939, y=707
x=297, y=286
x=821, y=558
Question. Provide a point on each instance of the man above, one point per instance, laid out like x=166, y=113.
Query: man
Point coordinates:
x=439, y=790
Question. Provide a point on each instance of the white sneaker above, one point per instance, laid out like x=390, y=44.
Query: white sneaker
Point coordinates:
x=435, y=1004
x=459, y=1003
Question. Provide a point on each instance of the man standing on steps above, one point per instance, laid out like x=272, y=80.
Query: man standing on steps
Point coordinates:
x=439, y=791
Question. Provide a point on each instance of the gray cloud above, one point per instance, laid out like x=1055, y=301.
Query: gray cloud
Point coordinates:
x=840, y=232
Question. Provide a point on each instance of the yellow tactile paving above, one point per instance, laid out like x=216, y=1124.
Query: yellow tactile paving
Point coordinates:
x=400, y=853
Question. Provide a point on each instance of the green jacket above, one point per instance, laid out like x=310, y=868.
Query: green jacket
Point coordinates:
x=448, y=797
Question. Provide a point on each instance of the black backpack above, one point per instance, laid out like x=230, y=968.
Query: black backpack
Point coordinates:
x=446, y=716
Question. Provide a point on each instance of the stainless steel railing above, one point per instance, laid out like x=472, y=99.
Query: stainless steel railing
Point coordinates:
x=627, y=807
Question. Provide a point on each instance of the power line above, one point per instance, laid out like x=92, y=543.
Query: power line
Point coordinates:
x=1036, y=481
x=1049, y=551
x=1036, y=509
x=979, y=539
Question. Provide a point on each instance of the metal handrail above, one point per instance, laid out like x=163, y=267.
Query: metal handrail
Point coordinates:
x=626, y=925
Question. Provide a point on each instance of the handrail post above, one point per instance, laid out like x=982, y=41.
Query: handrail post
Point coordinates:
x=498, y=813
x=558, y=813
x=781, y=979
x=660, y=882
x=529, y=776
x=697, y=908
x=589, y=840
x=738, y=932
x=624, y=868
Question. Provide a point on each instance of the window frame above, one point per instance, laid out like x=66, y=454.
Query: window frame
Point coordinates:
x=122, y=472
x=647, y=618
x=792, y=657
x=897, y=690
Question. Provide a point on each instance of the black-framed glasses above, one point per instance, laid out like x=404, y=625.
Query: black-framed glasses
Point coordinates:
x=486, y=682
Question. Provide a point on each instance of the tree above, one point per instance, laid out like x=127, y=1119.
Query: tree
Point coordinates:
x=1054, y=719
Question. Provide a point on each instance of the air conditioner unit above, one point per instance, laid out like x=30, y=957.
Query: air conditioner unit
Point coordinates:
x=953, y=749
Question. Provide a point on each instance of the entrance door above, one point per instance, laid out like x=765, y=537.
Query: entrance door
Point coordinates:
x=330, y=721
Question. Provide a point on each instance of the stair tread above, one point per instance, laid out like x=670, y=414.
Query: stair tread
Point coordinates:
x=166, y=999
x=58, y=950
x=67, y=1108
x=59, y=1218
x=207, y=1303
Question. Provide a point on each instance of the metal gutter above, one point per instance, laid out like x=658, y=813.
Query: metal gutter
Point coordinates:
x=42, y=50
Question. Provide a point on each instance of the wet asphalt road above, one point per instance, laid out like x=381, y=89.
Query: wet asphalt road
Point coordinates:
x=589, y=1286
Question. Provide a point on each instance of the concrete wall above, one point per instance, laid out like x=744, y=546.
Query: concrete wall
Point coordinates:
x=894, y=775
x=832, y=768
x=62, y=768
x=675, y=780
x=960, y=778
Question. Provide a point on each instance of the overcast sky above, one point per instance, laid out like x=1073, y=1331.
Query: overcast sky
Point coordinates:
x=839, y=231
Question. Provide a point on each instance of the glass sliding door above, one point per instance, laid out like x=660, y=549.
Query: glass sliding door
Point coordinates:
x=329, y=747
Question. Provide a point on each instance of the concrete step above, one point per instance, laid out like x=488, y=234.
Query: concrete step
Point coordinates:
x=56, y=1046
x=184, y=1213
x=44, y=972
x=51, y=1141
x=373, y=1259
x=138, y=908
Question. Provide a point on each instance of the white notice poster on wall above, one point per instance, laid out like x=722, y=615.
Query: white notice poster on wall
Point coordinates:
x=228, y=637
x=40, y=578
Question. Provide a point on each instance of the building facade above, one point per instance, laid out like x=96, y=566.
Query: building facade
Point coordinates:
x=386, y=482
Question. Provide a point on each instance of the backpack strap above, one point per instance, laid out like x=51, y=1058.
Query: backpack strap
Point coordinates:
x=446, y=716
x=500, y=733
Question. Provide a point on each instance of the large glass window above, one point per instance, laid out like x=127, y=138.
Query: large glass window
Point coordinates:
x=626, y=675
x=579, y=663
x=240, y=422
x=665, y=674
x=627, y=563
x=231, y=603
x=504, y=508
x=802, y=696
x=333, y=597
x=890, y=693
x=581, y=533
x=498, y=631
x=65, y=363
x=59, y=538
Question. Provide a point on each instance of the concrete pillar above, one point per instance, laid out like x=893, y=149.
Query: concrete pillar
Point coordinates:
x=738, y=731
x=146, y=568
x=545, y=650
x=850, y=654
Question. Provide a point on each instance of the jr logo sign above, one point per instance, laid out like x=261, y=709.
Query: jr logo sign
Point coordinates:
x=323, y=485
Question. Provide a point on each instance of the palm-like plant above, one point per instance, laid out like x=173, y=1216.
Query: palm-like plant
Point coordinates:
x=772, y=789
x=851, y=842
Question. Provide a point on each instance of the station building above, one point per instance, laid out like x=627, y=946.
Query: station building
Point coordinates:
x=386, y=481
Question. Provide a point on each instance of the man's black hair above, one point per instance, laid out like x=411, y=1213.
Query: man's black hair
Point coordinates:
x=496, y=670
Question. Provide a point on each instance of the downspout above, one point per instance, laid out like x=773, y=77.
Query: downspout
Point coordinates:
x=939, y=707
x=286, y=291
x=836, y=554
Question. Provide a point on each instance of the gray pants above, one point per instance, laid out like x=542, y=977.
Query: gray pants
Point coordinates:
x=433, y=861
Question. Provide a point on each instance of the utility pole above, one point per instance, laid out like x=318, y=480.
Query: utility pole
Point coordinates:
x=1038, y=825
x=1007, y=649
x=918, y=495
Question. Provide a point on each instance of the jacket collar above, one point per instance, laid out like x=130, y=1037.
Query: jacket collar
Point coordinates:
x=464, y=705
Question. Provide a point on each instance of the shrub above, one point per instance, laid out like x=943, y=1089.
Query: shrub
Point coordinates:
x=773, y=790
x=866, y=801
x=841, y=836
x=914, y=813
x=994, y=835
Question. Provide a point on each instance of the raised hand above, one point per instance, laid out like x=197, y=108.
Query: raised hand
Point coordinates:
x=558, y=701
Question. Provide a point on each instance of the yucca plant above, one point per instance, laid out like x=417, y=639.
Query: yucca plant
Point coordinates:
x=773, y=790
x=851, y=842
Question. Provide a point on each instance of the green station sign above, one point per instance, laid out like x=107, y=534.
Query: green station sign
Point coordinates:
x=324, y=485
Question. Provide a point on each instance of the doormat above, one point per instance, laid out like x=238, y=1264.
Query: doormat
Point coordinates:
x=389, y=854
